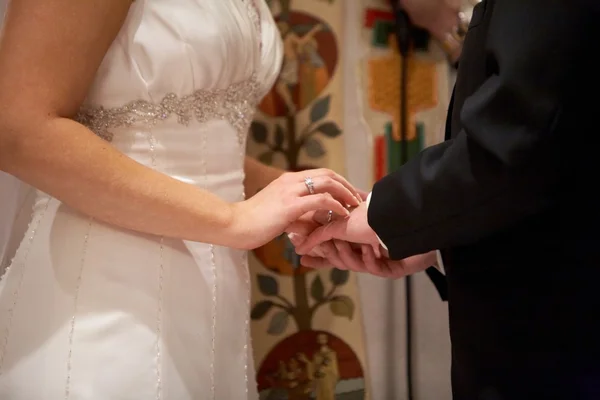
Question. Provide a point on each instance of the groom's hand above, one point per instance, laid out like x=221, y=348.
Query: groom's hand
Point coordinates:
x=353, y=229
x=363, y=259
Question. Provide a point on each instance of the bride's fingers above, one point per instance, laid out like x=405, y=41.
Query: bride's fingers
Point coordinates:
x=296, y=239
x=337, y=177
x=322, y=201
x=326, y=184
x=302, y=227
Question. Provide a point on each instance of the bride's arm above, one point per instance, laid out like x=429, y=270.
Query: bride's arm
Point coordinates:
x=258, y=175
x=49, y=53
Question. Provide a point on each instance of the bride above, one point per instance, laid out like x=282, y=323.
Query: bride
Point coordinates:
x=130, y=118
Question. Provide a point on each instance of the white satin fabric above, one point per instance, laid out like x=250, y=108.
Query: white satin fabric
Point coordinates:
x=92, y=312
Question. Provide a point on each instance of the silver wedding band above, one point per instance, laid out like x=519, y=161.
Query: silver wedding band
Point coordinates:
x=310, y=185
x=329, y=216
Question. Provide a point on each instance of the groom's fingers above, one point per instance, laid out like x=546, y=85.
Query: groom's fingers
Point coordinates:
x=369, y=259
x=373, y=265
x=348, y=257
x=330, y=253
x=328, y=257
x=321, y=201
x=322, y=217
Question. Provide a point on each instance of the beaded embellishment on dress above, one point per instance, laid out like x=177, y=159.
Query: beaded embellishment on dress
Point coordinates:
x=235, y=104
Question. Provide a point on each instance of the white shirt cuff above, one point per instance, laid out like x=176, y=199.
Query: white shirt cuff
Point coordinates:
x=378, y=238
x=440, y=262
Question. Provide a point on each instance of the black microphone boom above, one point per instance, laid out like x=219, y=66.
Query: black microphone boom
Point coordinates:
x=403, y=41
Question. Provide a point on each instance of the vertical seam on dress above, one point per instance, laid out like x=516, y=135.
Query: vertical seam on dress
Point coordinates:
x=213, y=267
x=161, y=269
x=214, y=284
x=248, y=295
x=75, y=302
x=11, y=311
x=214, y=322
x=159, y=321
x=248, y=345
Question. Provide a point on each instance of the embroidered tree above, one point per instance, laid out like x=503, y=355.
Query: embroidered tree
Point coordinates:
x=305, y=74
x=285, y=140
x=300, y=311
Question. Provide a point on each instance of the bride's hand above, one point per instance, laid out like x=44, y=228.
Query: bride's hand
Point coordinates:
x=267, y=214
x=299, y=230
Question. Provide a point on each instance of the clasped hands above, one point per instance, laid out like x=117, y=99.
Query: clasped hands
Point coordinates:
x=349, y=243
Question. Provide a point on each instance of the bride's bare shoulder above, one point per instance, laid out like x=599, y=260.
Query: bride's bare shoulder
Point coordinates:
x=49, y=53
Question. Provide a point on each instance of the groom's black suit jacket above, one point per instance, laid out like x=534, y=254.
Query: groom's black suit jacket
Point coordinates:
x=510, y=199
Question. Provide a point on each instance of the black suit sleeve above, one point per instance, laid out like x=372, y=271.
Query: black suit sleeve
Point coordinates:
x=505, y=164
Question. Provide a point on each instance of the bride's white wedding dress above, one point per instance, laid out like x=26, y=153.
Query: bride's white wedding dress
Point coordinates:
x=92, y=312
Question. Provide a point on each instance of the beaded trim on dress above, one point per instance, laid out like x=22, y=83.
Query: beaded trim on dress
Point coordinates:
x=235, y=104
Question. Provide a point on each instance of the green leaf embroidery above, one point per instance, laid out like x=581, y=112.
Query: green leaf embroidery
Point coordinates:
x=320, y=109
x=278, y=324
x=339, y=277
x=261, y=309
x=342, y=306
x=314, y=148
x=329, y=129
x=268, y=285
x=317, y=290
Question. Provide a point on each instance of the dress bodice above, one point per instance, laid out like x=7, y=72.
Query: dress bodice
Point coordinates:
x=178, y=88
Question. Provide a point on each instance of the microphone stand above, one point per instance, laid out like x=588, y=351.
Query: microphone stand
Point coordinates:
x=403, y=40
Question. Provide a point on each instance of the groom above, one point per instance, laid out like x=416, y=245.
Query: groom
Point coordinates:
x=509, y=201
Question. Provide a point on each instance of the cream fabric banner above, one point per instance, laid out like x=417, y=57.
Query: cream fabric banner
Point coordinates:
x=306, y=325
x=384, y=301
